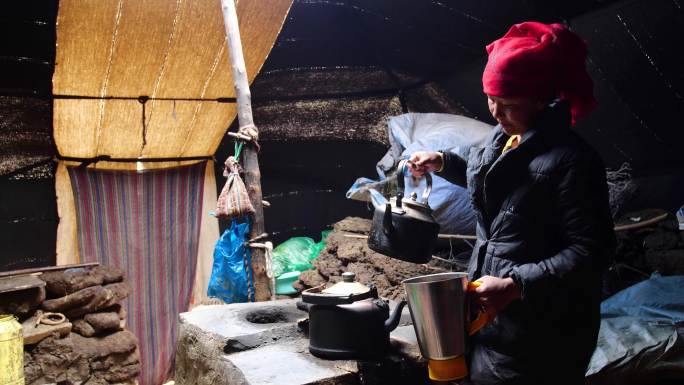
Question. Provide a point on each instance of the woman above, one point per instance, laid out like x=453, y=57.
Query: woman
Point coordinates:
x=544, y=230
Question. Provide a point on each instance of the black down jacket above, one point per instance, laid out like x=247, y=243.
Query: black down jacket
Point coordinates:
x=542, y=219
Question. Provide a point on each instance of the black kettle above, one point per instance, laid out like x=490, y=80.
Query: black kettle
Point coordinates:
x=405, y=228
x=348, y=320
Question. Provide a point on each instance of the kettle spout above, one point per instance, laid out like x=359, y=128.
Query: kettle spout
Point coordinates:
x=303, y=306
x=393, y=321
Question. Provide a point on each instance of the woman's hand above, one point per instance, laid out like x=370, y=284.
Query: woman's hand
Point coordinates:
x=496, y=293
x=422, y=162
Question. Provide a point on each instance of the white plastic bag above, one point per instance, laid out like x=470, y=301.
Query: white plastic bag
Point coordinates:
x=413, y=132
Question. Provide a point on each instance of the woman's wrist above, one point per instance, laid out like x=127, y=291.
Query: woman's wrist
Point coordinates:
x=513, y=288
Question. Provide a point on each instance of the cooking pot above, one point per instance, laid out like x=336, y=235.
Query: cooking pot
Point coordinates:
x=404, y=228
x=348, y=320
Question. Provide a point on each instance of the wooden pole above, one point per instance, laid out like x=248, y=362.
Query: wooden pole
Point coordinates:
x=262, y=287
x=638, y=225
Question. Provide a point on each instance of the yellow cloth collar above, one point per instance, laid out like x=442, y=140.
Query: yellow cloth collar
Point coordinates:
x=512, y=142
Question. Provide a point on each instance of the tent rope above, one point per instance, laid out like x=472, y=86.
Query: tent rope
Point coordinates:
x=248, y=133
x=85, y=162
x=142, y=99
x=89, y=97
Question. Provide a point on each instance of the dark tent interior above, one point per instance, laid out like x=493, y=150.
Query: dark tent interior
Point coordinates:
x=337, y=74
x=337, y=71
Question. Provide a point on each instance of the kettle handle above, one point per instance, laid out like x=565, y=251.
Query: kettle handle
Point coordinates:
x=387, y=227
x=400, y=182
x=483, y=317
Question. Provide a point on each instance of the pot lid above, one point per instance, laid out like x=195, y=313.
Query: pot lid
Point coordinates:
x=415, y=204
x=348, y=286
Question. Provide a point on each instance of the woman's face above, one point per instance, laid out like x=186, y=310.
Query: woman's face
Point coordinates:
x=515, y=115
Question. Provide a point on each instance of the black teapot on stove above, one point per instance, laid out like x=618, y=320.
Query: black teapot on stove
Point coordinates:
x=348, y=320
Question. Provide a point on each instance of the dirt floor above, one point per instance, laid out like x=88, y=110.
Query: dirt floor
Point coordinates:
x=347, y=250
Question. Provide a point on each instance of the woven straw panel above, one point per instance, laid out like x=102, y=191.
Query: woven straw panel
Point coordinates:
x=159, y=48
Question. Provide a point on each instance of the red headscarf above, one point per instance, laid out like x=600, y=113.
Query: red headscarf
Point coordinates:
x=540, y=60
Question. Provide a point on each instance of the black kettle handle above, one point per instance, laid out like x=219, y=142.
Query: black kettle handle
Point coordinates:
x=400, y=182
x=387, y=227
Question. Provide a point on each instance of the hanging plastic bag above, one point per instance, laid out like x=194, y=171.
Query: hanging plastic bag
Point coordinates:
x=296, y=254
x=231, y=274
x=377, y=199
x=233, y=202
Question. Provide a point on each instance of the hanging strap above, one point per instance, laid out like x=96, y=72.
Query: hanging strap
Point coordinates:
x=238, y=150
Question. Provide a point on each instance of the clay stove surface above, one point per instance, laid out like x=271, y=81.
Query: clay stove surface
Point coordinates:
x=261, y=343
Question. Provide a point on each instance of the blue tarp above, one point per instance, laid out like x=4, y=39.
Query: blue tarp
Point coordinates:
x=641, y=340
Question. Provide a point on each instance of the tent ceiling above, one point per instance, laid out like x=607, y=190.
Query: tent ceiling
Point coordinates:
x=634, y=59
x=156, y=48
x=428, y=37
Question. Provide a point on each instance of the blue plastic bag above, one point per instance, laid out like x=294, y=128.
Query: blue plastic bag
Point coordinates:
x=658, y=298
x=231, y=274
x=641, y=335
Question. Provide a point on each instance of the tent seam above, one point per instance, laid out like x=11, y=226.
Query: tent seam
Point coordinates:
x=105, y=82
x=162, y=70
x=198, y=107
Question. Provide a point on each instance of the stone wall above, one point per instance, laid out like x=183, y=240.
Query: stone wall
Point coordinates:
x=78, y=335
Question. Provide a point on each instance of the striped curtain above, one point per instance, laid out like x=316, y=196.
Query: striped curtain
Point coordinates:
x=146, y=223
